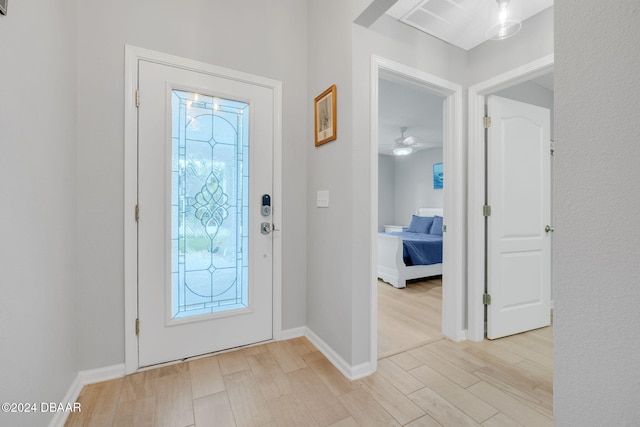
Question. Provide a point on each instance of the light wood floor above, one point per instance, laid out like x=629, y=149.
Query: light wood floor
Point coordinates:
x=408, y=317
x=507, y=382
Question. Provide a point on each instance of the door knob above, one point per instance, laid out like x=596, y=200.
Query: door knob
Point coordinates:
x=265, y=228
x=548, y=229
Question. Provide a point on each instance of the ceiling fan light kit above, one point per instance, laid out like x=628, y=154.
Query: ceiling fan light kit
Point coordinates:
x=405, y=145
x=402, y=151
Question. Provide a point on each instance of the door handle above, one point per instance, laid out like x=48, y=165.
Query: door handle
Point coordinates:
x=549, y=229
x=265, y=228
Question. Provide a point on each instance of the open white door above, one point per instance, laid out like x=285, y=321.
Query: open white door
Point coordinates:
x=519, y=229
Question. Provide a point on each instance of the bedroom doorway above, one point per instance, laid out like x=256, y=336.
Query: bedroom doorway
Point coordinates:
x=410, y=172
x=448, y=101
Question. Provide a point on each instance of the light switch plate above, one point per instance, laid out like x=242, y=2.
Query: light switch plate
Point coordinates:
x=322, y=200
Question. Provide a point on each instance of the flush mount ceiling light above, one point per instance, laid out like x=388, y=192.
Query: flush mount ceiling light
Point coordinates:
x=402, y=151
x=506, y=20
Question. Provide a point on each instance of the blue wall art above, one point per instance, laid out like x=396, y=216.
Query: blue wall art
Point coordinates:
x=438, y=179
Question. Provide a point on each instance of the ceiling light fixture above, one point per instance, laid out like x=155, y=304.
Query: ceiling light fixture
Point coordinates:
x=506, y=22
x=402, y=151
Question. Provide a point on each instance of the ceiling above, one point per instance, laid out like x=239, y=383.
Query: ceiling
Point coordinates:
x=462, y=23
x=406, y=104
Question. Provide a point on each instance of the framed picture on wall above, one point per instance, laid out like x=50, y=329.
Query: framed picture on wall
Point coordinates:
x=438, y=177
x=324, y=108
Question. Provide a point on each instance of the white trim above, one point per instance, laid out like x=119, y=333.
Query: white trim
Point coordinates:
x=351, y=372
x=130, y=201
x=82, y=379
x=288, y=334
x=475, y=267
x=453, y=304
x=132, y=56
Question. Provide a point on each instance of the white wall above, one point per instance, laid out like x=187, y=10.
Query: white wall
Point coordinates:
x=405, y=184
x=267, y=39
x=597, y=239
x=491, y=58
x=329, y=167
x=414, y=184
x=38, y=359
x=386, y=191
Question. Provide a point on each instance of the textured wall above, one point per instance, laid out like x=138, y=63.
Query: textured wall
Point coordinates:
x=597, y=239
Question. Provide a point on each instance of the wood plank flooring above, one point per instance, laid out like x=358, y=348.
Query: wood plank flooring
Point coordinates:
x=410, y=316
x=507, y=382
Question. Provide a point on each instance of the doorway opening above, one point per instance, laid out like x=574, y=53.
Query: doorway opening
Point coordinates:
x=410, y=194
x=453, y=197
x=476, y=188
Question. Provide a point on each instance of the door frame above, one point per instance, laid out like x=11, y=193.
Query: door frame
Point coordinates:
x=476, y=231
x=454, y=265
x=132, y=56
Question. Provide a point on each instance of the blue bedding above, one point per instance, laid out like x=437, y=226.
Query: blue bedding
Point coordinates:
x=420, y=248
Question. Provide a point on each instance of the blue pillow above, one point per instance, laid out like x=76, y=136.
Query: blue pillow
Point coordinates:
x=420, y=224
x=436, y=226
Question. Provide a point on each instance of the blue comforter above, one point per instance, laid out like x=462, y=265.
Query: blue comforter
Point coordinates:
x=420, y=248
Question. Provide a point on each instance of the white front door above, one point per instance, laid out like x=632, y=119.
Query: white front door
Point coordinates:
x=519, y=193
x=205, y=160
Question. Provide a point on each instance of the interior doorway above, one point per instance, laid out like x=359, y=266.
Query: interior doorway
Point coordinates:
x=511, y=85
x=454, y=202
x=410, y=184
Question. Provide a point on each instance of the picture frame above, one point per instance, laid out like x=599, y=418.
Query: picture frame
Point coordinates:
x=324, y=109
x=3, y=7
x=438, y=176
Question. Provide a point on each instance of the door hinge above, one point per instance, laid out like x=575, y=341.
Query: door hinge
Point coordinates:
x=486, y=299
x=137, y=327
x=487, y=122
x=137, y=97
x=486, y=210
x=137, y=213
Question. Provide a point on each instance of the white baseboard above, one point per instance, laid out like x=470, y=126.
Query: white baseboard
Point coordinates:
x=84, y=378
x=351, y=372
x=288, y=334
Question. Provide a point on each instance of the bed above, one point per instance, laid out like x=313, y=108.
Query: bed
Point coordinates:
x=409, y=254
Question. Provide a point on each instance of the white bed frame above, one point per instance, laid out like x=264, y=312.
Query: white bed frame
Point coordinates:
x=391, y=266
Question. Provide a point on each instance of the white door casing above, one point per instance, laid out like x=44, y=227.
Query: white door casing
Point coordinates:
x=518, y=240
x=261, y=318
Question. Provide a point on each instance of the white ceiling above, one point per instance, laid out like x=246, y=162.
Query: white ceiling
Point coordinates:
x=462, y=23
x=405, y=104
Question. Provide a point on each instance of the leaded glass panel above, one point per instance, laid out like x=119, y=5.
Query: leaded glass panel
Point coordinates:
x=209, y=204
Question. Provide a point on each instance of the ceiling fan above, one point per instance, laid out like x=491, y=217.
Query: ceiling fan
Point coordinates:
x=405, y=145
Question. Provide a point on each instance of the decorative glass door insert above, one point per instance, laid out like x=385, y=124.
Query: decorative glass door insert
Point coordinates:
x=210, y=195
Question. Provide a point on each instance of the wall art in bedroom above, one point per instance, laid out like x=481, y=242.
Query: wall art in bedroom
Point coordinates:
x=438, y=177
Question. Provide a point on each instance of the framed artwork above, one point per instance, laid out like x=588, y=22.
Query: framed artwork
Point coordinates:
x=438, y=177
x=324, y=108
x=3, y=6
